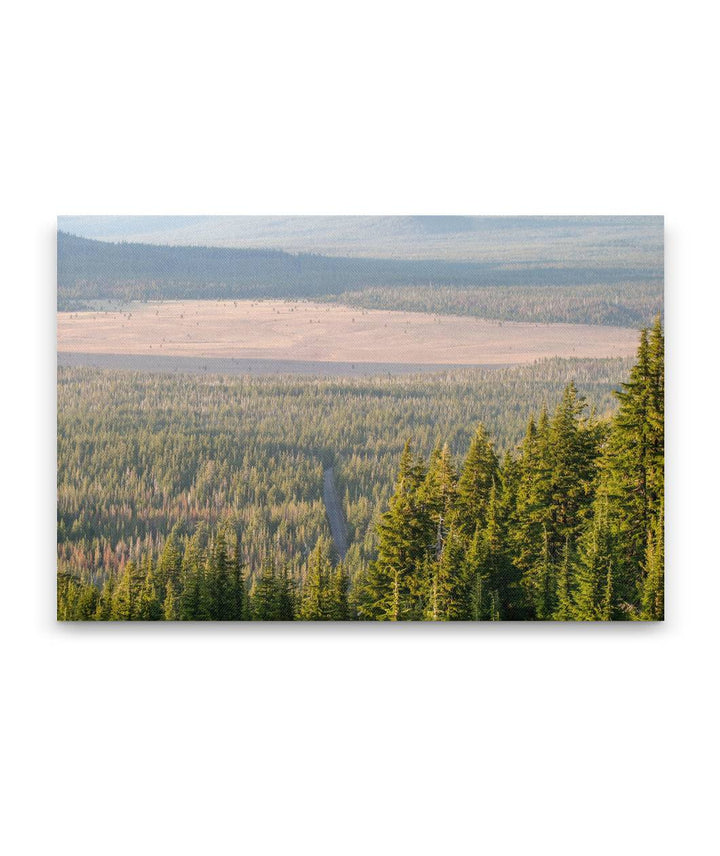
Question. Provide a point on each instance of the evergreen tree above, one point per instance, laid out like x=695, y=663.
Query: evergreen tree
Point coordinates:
x=437, y=496
x=239, y=605
x=170, y=603
x=339, y=585
x=194, y=598
x=103, y=610
x=557, y=488
x=149, y=607
x=633, y=466
x=393, y=589
x=220, y=580
x=477, y=575
x=564, y=608
x=285, y=596
x=593, y=597
x=574, y=447
x=126, y=596
x=490, y=573
x=315, y=603
x=652, y=602
x=266, y=595
x=170, y=563
x=479, y=473
x=76, y=600
x=531, y=516
x=447, y=596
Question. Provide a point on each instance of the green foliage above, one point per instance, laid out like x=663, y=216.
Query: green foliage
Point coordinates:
x=479, y=474
x=393, y=591
x=556, y=519
x=593, y=596
x=170, y=605
x=201, y=498
x=652, y=602
x=126, y=603
x=324, y=593
x=272, y=597
x=633, y=465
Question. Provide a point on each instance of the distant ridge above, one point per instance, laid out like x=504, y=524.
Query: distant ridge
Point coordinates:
x=92, y=269
x=585, y=240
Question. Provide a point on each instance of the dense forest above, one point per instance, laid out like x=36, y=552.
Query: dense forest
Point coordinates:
x=200, y=498
x=90, y=270
x=632, y=304
x=569, y=528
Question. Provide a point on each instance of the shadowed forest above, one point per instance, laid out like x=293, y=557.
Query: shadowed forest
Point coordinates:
x=623, y=293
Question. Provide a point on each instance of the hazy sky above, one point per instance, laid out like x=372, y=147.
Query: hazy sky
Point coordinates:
x=594, y=241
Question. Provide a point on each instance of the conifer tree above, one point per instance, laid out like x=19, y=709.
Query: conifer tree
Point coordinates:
x=264, y=593
x=169, y=564
x=285, y=596
x=149, y=607
x=392, y=589
x=437, y=496
x=126, y=595
x=239, y=605
x=194, y=602
x=76, y=600
x=447, y=595
x=652, y=601
x=531, y=515
x=477, y=575
x=490, y=573
x=594, y=591
x=479, y=473
x=170, y=602
x=573, y=444
x=339, y=585
x=87, y=602
x=633, y=466
x=315, y=604
x=103, y=610
x=220, y=580
x=564, y=608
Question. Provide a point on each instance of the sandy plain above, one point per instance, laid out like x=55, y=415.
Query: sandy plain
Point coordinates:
x=307, y=331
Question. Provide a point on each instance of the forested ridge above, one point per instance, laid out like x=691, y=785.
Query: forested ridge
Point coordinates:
x=633, y=304
x=567, y=524
x=90, y=270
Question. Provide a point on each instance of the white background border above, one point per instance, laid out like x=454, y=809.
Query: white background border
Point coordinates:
x=508, y=739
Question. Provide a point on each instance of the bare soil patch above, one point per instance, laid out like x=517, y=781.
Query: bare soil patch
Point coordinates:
x=306, y=331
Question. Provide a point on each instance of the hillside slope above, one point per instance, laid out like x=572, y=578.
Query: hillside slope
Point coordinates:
x=596, y=241
x=100, y=270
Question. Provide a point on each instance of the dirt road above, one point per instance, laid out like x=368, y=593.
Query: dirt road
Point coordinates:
x=336, y=516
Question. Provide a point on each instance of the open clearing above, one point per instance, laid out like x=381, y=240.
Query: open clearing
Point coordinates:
x=310, y=332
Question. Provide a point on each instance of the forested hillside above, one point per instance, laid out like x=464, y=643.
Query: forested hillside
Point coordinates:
x=633, y=304
x=622, y=294
x=201, y=497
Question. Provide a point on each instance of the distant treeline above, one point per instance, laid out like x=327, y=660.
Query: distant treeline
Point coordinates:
x=93, y=270
x=627, y=305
